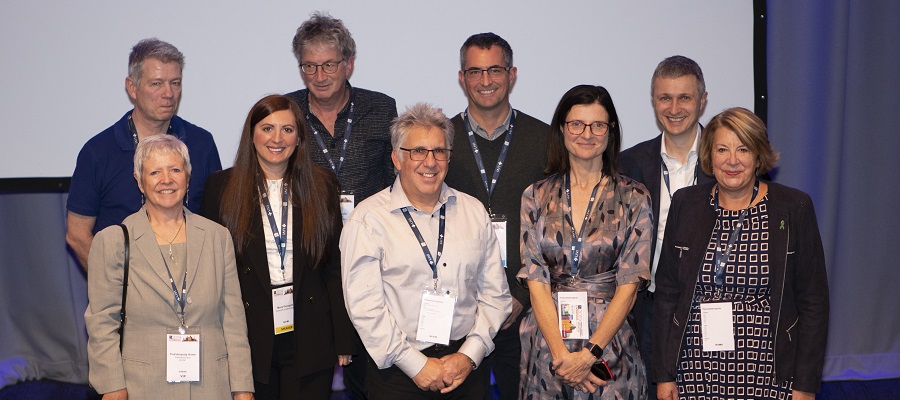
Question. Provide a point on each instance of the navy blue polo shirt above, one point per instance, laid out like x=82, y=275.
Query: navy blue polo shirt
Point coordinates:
x=103, y=184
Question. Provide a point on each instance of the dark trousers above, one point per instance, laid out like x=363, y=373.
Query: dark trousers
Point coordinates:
x=355, y=373
x=283, y=382
x=642, y=314
x=504, y=361
x=392, y=384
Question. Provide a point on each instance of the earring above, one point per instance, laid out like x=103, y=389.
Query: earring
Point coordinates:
x=186, y=193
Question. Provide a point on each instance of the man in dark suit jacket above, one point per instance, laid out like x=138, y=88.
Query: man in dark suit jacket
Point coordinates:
x=665, y=164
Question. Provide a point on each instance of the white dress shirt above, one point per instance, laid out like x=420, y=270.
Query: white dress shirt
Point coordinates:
x=680, y=175
x=273, y=257
x=384, y=272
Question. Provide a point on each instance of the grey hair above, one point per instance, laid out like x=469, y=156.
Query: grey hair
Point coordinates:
x=422, y=115
x=485, y=41
x=322, y=28
x=152, y=48
x=676, y=67
x=160, y=144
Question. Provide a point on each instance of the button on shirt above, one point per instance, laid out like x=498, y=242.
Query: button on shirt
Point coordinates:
x=384, y=272
x=680, y=175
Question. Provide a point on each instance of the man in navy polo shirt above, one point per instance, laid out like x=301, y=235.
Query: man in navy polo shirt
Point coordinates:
x=103, y=190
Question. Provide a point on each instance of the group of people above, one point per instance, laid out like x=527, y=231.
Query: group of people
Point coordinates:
x=542, y=255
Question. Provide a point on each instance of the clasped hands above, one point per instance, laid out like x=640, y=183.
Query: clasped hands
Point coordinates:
x=444, y=374
x=574, y=369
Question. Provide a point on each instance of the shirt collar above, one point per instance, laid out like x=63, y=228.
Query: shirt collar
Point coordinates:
x=694, y=148
x=399, y=199
x=497, y=132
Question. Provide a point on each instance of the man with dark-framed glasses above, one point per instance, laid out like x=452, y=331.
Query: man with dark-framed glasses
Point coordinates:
x=350, y=127
x=499, y=152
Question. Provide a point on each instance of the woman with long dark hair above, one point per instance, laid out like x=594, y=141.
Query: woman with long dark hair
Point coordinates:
x=283, y=213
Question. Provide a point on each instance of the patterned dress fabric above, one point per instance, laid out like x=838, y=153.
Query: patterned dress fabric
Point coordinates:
x=748, y=371
x=616, y=251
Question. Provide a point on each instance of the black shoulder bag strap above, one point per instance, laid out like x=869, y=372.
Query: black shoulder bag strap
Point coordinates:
x=124, y=284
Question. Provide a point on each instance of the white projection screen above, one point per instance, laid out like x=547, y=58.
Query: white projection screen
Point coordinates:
x=64, y=62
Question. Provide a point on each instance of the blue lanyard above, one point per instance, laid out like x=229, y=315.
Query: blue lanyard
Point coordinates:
x=321, y=142
x=722, y=257
x=432, y=262
x=480, y=163
x=577, y=239
x=665, y=171
x=280, y=239
x=182, y=299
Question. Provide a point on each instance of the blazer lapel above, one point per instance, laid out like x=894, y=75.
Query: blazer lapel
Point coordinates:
x=299, y=254
x=255, y=254
x=196, y=240
x=145, y=241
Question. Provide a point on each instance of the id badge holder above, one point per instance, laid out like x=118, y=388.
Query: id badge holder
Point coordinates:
x=498, y=222
x=347, y=203
x=572, y=312
x=183, y=354
x=436, y=316
x=717, y=326
x=283, y=308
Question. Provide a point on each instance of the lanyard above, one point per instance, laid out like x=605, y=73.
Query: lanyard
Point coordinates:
x=280, y=239
x=134, y=135
x=722, y=257
x=665, y=171
x=432, y=262
x=480, y=163
x=181, y=300
x=321, y=142
x=577, y=239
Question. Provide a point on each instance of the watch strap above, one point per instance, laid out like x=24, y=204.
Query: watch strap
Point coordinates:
x=596, y=350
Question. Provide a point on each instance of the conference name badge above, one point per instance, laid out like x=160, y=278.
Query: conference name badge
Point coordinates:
x=717, y=326
x=283, y=308
x=436, y=316
x=572, y=310
x=183, y=355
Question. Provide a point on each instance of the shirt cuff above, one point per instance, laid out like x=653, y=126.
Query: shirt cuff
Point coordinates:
x=412, y=362
x=474, y=349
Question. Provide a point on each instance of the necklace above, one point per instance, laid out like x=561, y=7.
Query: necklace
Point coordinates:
x=171, y=256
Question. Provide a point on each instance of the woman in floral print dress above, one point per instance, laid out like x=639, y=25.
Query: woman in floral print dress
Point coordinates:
x=584, y=205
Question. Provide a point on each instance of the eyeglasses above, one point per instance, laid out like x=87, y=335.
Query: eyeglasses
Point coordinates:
x=422, y=154
x=493, y=72
x=328, y=67
x=598, y=128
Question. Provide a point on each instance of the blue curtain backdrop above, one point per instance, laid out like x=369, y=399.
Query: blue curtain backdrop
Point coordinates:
x=834, y=83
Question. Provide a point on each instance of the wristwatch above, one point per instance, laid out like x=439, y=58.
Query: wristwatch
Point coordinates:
x=596, y=350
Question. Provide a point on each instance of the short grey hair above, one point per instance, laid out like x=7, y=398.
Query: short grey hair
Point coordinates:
x=676, y=67
x=161, y=144
x=421, y=115
x=152, y=48
x=322, y=28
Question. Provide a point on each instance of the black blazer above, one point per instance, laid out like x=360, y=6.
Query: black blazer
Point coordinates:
x=322, y=328
x=642, y=163
x=799, y=287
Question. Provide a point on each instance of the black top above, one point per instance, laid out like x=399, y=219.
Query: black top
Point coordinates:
x=523, y=166
x=367, y=167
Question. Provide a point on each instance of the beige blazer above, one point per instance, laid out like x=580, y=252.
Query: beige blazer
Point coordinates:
x=213, y=304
